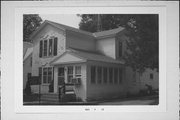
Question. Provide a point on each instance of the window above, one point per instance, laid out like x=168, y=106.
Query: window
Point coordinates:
x=45, y=48
x=99, y=74
x=93, y=74
x=120, y=75
x=115, y=75
x=105, y=75
x=77, y=71
x=55, y=46
x=70, y=73
x=40, y=48
x=47, y=75
x=151, y=76
x=110, y=75
x=48, y=47
x=120, y=49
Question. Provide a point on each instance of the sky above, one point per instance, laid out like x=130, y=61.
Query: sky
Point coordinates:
x=66, y=19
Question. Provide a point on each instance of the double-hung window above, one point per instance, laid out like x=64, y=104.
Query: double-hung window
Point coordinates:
x=45, y=48
x=47, y=75
x=78, y=71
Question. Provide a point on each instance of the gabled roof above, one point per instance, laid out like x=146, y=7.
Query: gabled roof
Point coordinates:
x=86, y=55
x=108, y=32
x=65, y=27
x=60, y=26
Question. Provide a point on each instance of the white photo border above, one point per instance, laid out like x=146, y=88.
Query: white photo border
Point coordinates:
x=12, y=34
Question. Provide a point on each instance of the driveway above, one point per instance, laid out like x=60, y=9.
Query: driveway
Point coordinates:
x=148, y=100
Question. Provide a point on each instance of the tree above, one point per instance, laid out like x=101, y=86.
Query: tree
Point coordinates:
x=30, y=23
x=142, y=31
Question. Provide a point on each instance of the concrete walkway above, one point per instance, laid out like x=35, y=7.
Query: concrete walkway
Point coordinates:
x=146, y=100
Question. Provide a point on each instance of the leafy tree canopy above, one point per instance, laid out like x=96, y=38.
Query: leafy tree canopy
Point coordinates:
x=30, y=23
x=142, y=31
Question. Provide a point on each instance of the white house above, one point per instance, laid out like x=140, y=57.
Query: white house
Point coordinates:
x=91, y=61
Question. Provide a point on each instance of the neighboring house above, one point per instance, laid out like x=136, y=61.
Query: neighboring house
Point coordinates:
x=27, y=62
x=92, y=62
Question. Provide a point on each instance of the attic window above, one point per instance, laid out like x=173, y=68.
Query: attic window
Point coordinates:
x=48, y=47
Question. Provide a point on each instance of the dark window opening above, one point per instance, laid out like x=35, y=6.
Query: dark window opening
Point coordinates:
x=93, y=74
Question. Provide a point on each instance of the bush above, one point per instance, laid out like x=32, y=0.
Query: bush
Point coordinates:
x=28, y=88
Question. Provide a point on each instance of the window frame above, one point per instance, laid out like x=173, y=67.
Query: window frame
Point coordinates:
x=99, y=75
x=44, y=49
x=78, y=75
x=93, y=79
x=47, y=82
x=105, y=75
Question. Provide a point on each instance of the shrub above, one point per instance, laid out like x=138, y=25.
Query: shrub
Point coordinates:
x=28, y=88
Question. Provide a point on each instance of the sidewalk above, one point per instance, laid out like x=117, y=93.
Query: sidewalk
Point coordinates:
x=145, y=100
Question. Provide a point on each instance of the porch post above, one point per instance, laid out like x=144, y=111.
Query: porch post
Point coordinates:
x=55, y=79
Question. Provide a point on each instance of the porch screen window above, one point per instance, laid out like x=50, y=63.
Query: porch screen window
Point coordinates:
x=99, y=74
x=49, y=75
x=115, y=75
x=50, y=47
x=105, y=75
x=70, y=73
x=120, y=49
x=120, y=75
x=93, y=74
x=78, y=71
x=45, y=48
x=110, y=75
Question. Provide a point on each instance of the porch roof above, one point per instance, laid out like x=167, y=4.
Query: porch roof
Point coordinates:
x=83, y=56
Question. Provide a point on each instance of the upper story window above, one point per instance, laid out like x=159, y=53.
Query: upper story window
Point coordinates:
x=120, y=49
x=48, y=47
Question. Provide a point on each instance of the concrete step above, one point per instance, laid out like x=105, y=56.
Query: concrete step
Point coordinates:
x=67, y=97
x=49, y=100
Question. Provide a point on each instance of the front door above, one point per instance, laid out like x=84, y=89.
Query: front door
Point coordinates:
x=61, y=76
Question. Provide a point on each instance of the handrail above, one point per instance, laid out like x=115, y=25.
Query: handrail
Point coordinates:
x=60, y=91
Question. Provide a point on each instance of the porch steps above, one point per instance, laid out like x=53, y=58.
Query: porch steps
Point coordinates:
x=50, y=97
x=69, y=96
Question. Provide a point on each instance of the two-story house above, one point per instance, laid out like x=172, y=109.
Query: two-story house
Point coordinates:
x=91, y=61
